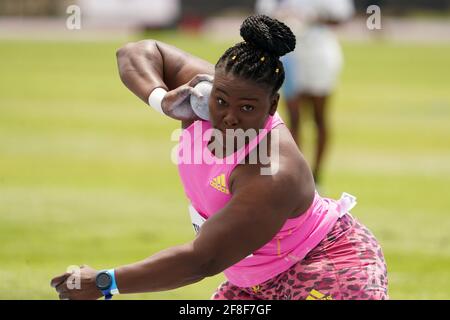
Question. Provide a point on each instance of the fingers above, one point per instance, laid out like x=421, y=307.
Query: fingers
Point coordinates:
x=67, y=289
x=196, y=93
x=176, y=102
x=65, y=292
x=59, y=279
x=64, y=296
x=62, y=290
x=62, y=287
x=67, y=285
x=77, y=284
x=199, y=78
x=179, y=94
x=175, y=98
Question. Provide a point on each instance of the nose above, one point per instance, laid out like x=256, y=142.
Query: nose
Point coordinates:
x=230, y=120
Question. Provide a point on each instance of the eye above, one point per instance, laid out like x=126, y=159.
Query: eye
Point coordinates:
x=247, y=108
x=220, y=101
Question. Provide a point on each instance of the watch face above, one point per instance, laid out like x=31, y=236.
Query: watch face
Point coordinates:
x=103, y=281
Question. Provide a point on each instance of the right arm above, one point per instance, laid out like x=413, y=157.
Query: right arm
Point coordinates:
x=149, y=64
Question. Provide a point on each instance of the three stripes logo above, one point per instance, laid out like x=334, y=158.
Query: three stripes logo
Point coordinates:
x=219, y=183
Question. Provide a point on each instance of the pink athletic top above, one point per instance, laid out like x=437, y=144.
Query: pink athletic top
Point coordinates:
x=205, y=179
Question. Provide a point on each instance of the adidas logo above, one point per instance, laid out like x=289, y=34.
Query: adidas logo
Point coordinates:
x=219, y=184
x=256, y=289
x=316, y=295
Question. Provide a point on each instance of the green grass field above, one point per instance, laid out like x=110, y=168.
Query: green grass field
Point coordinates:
x=86, y=176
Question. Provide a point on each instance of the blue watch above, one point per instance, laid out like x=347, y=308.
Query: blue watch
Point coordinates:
x=106, y=283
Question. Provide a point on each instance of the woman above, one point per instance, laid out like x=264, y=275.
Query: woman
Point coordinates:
x=272, y=235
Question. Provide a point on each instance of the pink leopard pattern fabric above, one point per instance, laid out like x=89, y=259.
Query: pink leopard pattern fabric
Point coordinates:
x=347, y=265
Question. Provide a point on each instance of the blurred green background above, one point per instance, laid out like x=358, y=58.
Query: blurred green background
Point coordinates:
x=86, y=176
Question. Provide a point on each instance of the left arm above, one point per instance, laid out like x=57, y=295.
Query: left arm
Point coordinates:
x=258, y=209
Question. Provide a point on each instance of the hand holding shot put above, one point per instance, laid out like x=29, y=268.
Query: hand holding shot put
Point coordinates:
x=188, y=102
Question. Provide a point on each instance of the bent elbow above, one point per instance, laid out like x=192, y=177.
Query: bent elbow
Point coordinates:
x=139, y=47
x=126, y=50
x=133, y=52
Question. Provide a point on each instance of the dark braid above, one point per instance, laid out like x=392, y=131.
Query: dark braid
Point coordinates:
x=258, y=57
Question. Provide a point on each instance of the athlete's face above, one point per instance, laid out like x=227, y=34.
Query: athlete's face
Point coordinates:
x=237, y=103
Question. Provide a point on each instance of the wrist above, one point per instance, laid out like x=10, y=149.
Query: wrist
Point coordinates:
x=105, y=281
x=155, y=99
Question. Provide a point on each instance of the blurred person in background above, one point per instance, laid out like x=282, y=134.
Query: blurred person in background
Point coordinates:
x=313, y=68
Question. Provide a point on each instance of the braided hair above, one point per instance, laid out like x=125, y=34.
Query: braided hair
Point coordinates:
x=257, y=58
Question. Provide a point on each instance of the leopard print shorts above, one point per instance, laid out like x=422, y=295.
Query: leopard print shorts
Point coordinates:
x=347, y=265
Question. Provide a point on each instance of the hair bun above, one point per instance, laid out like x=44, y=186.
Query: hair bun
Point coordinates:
x=268, y=34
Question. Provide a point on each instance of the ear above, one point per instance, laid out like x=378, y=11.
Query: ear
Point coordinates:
x=274, y=103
